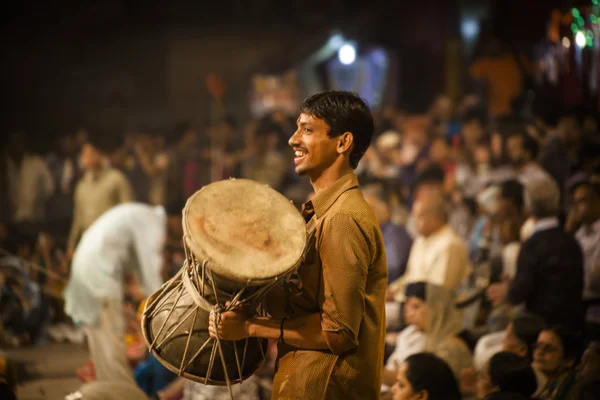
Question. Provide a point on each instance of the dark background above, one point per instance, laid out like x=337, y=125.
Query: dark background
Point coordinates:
x=68, y=65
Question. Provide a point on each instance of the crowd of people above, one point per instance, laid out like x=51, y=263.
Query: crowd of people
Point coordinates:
x=491, y=226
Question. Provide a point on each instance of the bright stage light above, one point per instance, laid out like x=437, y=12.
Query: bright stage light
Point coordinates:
x=347, y=54
x=580, y=39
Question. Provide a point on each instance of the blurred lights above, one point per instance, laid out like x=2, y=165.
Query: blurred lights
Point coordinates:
x=347, y=54
x=469, y=28
x=336, y=41
x=580, y=39
x=566, y=42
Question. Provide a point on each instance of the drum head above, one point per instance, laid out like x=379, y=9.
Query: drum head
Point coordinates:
x=248, y=231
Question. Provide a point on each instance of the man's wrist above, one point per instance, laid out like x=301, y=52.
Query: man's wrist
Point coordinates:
x=249, y=327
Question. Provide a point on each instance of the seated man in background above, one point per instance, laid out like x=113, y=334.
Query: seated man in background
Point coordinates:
x=549, y=276
x=438, y=255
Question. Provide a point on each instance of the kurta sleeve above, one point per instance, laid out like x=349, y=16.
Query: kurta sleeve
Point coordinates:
x=345, y=259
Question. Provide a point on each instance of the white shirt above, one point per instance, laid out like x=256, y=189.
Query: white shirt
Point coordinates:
x=510, y=254
x=441, y=259
x=30, y=185
x=589, y=240
x=128, y=235
x=545, y=223
x=488, y=345
x=532, y=172
x=410, y=341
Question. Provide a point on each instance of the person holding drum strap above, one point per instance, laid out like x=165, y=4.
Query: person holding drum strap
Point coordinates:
x=127, y=239
x=329, y=319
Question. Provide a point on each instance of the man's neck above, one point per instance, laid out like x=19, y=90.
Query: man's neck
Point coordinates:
x=328, y=177
x=95, y=171
x=435, y=232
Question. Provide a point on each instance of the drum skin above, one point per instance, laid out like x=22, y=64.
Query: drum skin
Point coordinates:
x=171, y=352
x=250, y=233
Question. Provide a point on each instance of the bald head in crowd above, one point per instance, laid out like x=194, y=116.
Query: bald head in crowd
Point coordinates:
x=430, y=212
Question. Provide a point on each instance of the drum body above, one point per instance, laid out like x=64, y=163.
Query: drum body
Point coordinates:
x=186, y=327
x=241, y=238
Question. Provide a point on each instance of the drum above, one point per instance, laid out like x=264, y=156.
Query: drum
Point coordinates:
x=241, y=238
x=251, y=234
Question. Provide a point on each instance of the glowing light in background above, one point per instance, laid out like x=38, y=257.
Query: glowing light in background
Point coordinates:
x=347, y=54
x=469, y=28
x=580, y=39
x=336, y=41
x=566, y=42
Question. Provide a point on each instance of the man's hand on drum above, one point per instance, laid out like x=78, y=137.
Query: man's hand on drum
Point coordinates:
x=233, y=325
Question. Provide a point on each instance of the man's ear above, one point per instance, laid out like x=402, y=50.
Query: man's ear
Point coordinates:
x=423, y=395
x=345, y=142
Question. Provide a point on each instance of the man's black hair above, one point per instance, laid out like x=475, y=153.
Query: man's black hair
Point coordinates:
x=513, y=190
x=343, y=112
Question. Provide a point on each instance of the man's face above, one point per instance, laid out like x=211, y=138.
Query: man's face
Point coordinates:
x=314, y=150
x=582, y=203
x=515, y=151
x=90, y=157
x=426, y=222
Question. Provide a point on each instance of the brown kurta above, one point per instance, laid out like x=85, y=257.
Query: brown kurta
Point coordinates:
x=95, y=196
x=344, y=279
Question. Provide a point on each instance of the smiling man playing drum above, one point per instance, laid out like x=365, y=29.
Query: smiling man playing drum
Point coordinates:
x=328, y=321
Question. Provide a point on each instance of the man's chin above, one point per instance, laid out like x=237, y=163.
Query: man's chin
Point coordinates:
x=300, y=171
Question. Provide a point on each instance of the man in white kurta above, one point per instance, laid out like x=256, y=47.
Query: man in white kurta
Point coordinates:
x=438, y=255
x=128, y=237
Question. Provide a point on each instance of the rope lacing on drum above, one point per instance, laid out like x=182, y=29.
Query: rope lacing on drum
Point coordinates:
x=193, y=277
